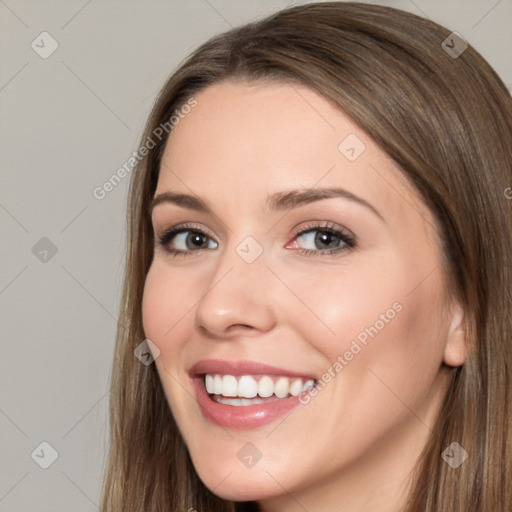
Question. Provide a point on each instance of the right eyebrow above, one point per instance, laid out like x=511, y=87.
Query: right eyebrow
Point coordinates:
x=183, y=200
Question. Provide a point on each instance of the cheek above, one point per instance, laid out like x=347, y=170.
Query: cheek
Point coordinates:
x=383, y=357
x=333, y=307
x=166, y=302
x=374, y=323
x=167, y=307
x=155, y=302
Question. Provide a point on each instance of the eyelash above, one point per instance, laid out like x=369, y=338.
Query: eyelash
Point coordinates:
x=346, y=237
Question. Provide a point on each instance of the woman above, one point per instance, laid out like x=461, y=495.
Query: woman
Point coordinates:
x=319, y=265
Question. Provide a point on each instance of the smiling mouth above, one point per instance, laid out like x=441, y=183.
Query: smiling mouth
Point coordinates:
x=246, y=390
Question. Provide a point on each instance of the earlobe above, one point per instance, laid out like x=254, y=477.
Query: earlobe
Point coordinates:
x=455, y=349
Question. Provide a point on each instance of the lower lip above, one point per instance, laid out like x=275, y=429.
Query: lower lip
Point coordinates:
x=243, y=417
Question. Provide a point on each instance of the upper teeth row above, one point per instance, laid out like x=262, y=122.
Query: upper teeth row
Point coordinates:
x=246, y=386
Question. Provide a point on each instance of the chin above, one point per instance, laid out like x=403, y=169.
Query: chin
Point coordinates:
x=239, y=484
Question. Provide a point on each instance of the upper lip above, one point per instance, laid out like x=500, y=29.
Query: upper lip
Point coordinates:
x=227, y=367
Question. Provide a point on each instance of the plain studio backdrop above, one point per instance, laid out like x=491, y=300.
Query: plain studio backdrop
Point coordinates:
x=77, y=80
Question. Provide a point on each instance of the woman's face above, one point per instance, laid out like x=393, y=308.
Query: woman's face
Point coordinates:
x=300, y=246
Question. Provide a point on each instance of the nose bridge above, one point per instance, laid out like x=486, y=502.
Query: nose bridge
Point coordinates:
x=235, y=294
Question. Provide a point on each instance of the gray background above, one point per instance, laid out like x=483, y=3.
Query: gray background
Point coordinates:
x=68, y=122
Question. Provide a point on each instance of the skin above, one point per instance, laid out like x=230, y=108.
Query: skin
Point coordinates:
x=354, y=445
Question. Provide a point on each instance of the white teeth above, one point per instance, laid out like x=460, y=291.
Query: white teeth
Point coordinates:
x=229, y=385
x=240, y=401
x=265, y=387
x=282, y=386
x=217, y=385
x=247, y=387
x=208, y=382
x=308, y=385
x=296, y=387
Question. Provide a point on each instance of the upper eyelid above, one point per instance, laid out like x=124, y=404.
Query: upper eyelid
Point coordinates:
x=207, y=214
x=185, y=226
x=192, y=227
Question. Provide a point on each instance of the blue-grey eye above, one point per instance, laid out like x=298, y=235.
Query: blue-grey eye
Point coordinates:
x=192, y=240
x=315, y=239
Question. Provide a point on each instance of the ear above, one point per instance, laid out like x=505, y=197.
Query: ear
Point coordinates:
x=456, y=350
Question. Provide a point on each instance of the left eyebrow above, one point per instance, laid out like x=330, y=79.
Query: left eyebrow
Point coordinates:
x=279, y=201
x=294, y=198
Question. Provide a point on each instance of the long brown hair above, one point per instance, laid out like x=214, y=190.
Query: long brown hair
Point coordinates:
x=447, y=121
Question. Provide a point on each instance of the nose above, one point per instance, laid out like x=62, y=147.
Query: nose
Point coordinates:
x=237, y=299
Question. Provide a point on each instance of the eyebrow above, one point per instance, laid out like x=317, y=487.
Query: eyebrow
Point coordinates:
x=279, y=201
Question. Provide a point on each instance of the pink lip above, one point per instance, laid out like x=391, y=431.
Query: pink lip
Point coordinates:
x=225, y=367
x=243, y=417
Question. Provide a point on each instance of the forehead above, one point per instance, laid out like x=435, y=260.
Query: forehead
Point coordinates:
x=244, y=141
